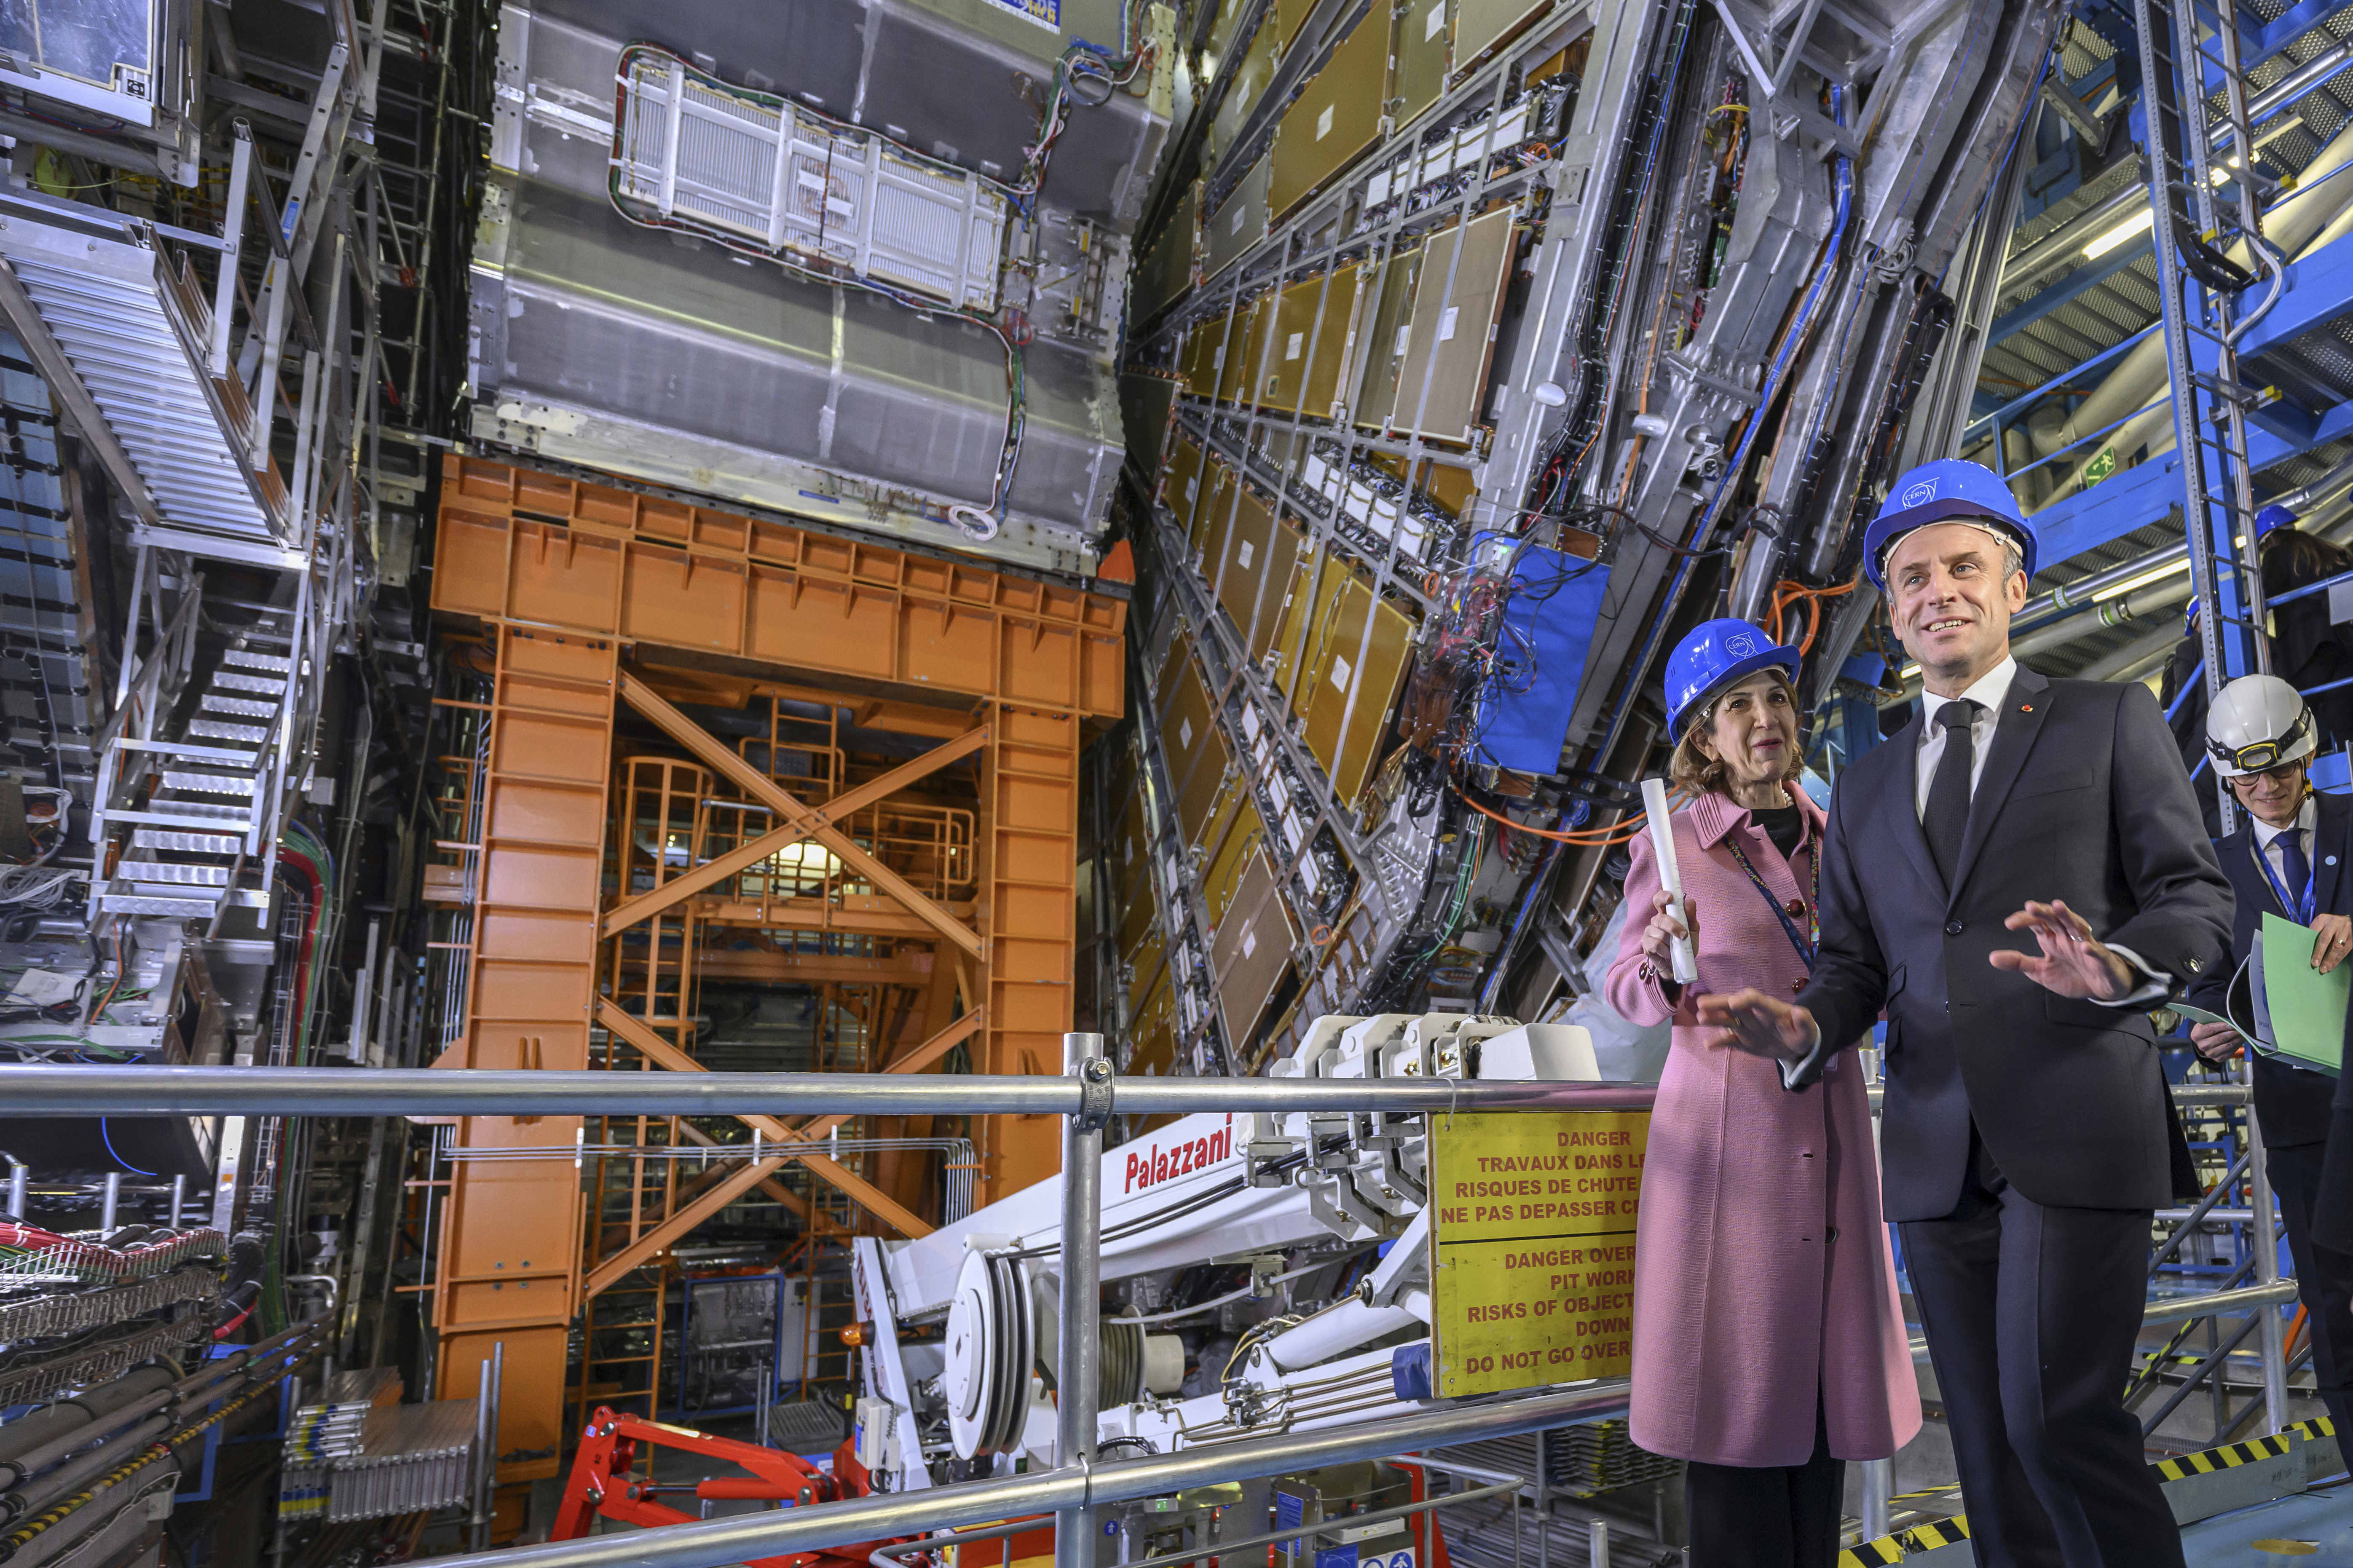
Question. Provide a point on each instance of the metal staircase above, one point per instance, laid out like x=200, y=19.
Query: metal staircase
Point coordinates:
x=138, y=336
x=213, y=809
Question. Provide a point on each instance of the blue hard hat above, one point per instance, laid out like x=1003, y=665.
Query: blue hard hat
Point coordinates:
x=1713, y=656
x=1934, y=492
x=2274, y=516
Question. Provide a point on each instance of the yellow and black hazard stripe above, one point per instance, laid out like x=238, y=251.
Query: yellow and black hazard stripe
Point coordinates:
x=1889, y=1549
x=2230, y=1456
x=1938, y=1533
x=1883, y=1553
x=1892, y=1549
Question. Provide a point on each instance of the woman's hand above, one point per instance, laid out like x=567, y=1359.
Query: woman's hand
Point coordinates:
x=1659, y=936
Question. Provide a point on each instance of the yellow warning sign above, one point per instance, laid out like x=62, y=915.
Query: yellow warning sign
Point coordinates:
x=1532, y=1246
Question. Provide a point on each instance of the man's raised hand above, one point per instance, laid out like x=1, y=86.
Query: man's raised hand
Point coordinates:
x=1760, y=1025
x=2073, y=963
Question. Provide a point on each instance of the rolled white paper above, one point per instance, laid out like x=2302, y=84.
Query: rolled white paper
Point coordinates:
x=1671, y=877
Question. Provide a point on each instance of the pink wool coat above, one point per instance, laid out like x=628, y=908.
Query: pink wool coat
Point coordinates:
x=1761, y=1267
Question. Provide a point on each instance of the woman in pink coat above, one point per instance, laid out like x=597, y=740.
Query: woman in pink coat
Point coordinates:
x=1769, y=1344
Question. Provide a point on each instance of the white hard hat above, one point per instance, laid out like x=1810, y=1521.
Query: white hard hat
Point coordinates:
x=2257, y=723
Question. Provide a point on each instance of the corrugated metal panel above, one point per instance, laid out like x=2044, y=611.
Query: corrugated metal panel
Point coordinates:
x=1352, y=677
x=1383, y=340
x=1251, y=949
x=1240, y=223
x=1423, y=45
x=1453, y=326
x=1321, y=311
x=1479, y=25
x=1336, y=116
x=1250, y=84
x=1166, y=271
x=1253, y=573
x=690, y=148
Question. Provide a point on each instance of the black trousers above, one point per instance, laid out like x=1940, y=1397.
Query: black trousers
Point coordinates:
x=2033, y=1313
x=1766, y=1515
x=2324, y=1275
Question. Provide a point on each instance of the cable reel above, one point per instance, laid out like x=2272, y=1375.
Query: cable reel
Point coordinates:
x=991, y=1345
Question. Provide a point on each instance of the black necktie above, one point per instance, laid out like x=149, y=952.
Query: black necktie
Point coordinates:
x=1947, y=821
x=2298, y=869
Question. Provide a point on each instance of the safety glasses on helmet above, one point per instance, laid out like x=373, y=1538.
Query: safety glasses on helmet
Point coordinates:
x=2261, y=756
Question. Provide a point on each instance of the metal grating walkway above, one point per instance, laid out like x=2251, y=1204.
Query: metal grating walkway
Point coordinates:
x=134, y=334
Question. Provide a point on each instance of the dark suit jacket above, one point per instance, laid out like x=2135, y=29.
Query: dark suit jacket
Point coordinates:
x=2291, y=1102
x=2082, y=798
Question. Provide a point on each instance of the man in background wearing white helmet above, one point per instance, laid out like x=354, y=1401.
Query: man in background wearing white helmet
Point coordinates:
x=2289, y=861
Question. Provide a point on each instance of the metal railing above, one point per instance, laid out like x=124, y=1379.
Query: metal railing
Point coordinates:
x=428, y=1091
x=1086, y=1097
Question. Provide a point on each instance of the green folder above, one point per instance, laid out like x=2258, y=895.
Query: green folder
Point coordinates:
x=2307, y=1008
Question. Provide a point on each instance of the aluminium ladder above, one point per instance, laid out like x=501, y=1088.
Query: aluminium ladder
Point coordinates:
x=2201, y=323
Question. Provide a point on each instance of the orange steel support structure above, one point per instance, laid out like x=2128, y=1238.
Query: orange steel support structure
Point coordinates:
x=538, y=550
x=510, y=1237
x=1031, y=794
x=996, y=673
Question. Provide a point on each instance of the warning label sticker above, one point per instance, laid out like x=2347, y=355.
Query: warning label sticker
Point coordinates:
x=1532, y=1246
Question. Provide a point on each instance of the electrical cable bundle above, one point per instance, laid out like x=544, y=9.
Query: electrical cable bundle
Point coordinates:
x=28, y=1250
x=38, y=886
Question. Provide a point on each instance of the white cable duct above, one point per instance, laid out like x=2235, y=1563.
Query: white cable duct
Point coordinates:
x=2297, y=227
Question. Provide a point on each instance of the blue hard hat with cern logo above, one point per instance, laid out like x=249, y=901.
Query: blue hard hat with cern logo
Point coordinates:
x=1949, y=489
x=1713, y=656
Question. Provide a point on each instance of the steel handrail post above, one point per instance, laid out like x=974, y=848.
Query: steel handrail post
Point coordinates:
x=1078, y=1361
x=2262, y=1236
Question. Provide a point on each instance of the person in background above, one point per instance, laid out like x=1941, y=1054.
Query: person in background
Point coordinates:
x=2307, y=648
x=2289, y=861
x=2016, y=877
x=1769, y=1344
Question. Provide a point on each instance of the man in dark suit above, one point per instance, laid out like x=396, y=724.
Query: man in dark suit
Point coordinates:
x=2013, y=877
x=2288, y=861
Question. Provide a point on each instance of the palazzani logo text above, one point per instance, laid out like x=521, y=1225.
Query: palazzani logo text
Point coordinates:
x=1154, y=1164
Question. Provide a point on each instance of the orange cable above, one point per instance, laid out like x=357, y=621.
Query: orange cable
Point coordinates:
x=1618, y=833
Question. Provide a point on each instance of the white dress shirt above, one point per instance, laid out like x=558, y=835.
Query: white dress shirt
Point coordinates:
x=1991, y=688
x=2267, y=840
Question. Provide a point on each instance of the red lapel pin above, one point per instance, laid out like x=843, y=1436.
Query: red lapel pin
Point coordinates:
x=2026, y=708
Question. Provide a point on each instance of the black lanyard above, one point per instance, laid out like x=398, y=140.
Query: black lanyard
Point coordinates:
x=1806, y=949
x=2298, y=910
